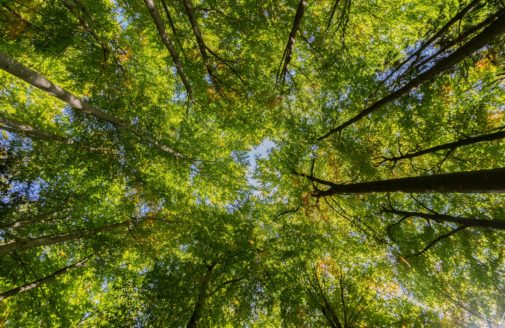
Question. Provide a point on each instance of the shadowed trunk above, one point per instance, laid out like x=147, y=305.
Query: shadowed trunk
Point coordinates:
x=291, y=40
x=201, y=298
x=468, y=222
x=450, y=146
x=36, y=283
x=489, y=34
x=188, y=6
x=483, y=181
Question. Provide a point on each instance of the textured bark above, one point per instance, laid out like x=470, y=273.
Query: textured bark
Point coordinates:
x=30, y=76
x=449, y=146
x=483, y=181
x=288, y=52
x=463, y=221
x=496, y=29
x=36, y=283
x=169, y=45
x=15, y=245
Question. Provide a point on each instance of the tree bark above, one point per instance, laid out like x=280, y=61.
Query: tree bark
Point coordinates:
x=15, y=245
x=450, y=146
x=36, y=283
x=463, y=221
x=483, y=181
x=30, y=76
x=169, y=45
x=288, y=52
x=491, y=32
x=201, y=298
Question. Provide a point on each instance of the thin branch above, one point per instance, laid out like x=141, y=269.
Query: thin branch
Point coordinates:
x=436, y=240
x=168, y=44
x=281, y=75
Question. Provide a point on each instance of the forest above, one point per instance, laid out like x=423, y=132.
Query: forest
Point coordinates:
x=252, y=163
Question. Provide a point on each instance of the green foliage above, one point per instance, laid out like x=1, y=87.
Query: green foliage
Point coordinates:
x=230, y=233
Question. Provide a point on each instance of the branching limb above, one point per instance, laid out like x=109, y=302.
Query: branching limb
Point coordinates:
x=436, y=240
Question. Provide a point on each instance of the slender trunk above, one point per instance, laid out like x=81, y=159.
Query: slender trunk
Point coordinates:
x=188, y=6
x=489, y=34
x=439, y=33
x=41, y=218
x=461, y=37
x=30, y=131
x=326, y=306
x=36, y=283
x=72, y=7
x=30, y=76
x=483, y=181
x=450, y=146
x=288, y=52
x=468, y=222
x=201, y=298
x=14, y=245
x=169, y=45
x=172, y=24
x=34, y=133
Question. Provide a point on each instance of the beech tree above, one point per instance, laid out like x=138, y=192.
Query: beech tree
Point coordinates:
x=252, y=163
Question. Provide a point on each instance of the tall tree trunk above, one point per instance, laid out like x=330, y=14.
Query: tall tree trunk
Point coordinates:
x=40, y=218
x=13, y=245
x=188, y=6
x=483, y=181
x=288, y=52
x=463, y=221
x=201, y=298
x=73, y=8
x=30, y=76
x=34, y=133
x=36, y=283
x=169, y=45
x=437, y=35
x=489, y=34
x=449, y=146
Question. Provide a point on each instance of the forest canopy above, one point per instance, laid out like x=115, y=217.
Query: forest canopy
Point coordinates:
x=289, y=163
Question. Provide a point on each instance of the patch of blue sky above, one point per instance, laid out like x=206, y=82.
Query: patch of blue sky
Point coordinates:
x=261, y=151
x=120, y=15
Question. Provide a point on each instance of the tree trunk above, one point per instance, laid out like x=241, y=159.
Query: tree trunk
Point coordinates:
x=15, y=245
x=34, y=133
x=188, y=6
x=490, y=33
x=291, y=40
x=483, y=181
x=40, y=218
x=169, y=45
x=450, y=146
x=30, y=76
x=463, y=221
x=201, y=298
x=41, y=281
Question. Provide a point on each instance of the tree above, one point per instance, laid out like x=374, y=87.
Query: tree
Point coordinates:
x=252, y=163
